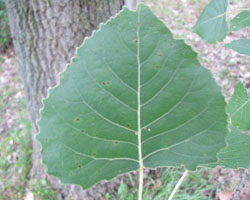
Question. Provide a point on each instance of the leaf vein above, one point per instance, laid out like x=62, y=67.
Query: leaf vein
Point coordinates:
x=99, y=158
x=107, y=91
x=99, y=138
x=179, y=143
x=171, y=109
x=99, y=114
x=165, y=85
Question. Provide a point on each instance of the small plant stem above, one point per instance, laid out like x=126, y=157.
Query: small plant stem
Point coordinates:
x=140, y=183
x=178, y=185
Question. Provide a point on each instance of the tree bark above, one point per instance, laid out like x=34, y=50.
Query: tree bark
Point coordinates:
x=45, y=34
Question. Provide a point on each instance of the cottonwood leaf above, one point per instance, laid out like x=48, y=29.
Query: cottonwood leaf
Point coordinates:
x=236, y=154
x=239, y=108
x=242, y=20
x=131, y=89
x=211, y=25
x=242, y=46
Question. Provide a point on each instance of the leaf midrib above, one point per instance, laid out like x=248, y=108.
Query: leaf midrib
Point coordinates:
x=139, y=90
x=241, y=107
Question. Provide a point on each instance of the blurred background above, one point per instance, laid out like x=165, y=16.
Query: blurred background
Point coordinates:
x=21, y=175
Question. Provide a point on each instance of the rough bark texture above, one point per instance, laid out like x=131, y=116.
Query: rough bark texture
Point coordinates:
x=45, y=35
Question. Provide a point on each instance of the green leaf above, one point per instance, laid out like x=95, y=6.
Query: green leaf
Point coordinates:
x=236, y=154
x=242, y=20
x=239, y=108
x=211, y=25
x=131, y=89
x=242, y=46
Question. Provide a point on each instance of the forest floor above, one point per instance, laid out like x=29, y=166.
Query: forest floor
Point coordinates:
x=227, y=66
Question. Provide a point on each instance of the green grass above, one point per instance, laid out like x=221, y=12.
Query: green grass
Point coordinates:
x=159, y=185
x=15, y=162
x=15, y=153
x=41, y=190
x=15, y=143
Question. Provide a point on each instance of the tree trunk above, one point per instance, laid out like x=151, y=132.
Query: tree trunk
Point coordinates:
x=45, y=35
